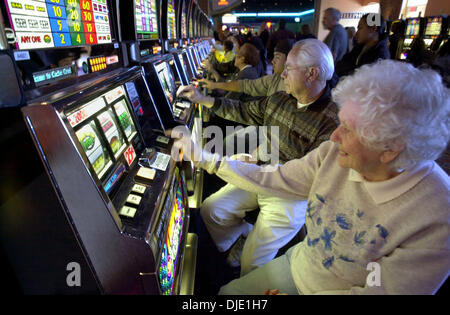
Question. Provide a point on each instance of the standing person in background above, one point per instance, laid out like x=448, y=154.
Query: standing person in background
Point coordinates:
x=263, y=33
x=281, y=33
x=305, y=33
x=351, y=37
x=336, y=39
x=371, y=46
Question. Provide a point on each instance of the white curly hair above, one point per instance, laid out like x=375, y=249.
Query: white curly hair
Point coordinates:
x=401, y=106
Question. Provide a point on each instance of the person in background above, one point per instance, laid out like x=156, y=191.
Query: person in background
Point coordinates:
x=263, y=33
x=257, y=42
x=378, y=204
x=281, y=33
x=372, y=45
x=305, y=117
x=246, y=60
x=305, y=33
x=336, y=39
x=351, y=37
x=394, y=38
x=264, y=86
x=222, y=61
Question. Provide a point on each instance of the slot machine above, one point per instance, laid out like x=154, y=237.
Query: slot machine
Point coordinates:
x=413, y=33
x=435, y=32
x=171, y=34
x=161, y=72
x=90, y=203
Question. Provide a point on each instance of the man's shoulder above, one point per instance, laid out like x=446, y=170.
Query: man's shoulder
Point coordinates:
x=281, y=97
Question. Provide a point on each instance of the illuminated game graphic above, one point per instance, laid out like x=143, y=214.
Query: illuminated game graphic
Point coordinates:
x=109, y=128
x=59, y=23
x=125, y=119
x=433, y=26
x=183, y=22
x=171, y=26
x=170, y=250
x=167, y=81
x=97, y=154
x=191, y=27
x=146, y=20
x=413, y=27
x=105, y=121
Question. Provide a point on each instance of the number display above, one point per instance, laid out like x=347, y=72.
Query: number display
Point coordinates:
x=59, y=23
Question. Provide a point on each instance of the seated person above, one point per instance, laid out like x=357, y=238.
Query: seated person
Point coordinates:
x=305, y=117
x=371, y=46
x=264, y=86
x=246, y=59
x=378, y=204
x=223, y=61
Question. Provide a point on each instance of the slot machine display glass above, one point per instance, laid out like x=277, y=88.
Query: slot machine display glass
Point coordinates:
x=412, y=28
x=146, y=19
x=166, y=78
x=171, y=20
x=433, y=26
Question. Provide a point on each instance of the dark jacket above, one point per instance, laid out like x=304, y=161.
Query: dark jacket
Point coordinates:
x=350, y=61
x=250, y=73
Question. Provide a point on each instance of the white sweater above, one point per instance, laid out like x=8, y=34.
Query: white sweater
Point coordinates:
x=401, y=224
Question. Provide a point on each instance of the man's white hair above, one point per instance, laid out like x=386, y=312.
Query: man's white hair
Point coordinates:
x=401, y=106
x=314, y=53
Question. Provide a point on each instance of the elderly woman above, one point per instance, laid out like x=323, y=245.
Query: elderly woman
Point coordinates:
x=378, y=204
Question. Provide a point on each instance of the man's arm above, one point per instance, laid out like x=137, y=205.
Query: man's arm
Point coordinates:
x=232, y=86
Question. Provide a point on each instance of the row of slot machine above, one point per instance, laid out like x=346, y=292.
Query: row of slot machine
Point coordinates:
x=430, y=33
x=91, y=201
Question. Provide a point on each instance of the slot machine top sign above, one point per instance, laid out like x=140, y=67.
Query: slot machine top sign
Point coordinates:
x=59, y=23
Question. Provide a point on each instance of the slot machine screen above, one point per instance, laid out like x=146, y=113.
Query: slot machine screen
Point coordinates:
x=413, y=27
x=59, y=23
x=187, y=65
x=194, y=57
x=433, y=26
x=175, y=72
x=146, y=19
x=167, y=80
x=170, y=251
x=171, y=20
x=107, y=133
x=183, y=20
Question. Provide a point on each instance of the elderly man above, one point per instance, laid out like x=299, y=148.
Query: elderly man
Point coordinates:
x=377, y=217
x=337, y=39
x=264, y=86
x=305, y=117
